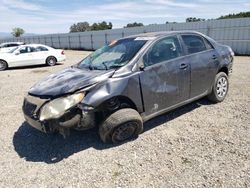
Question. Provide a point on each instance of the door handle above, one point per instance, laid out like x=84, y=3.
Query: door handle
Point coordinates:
x=183, y=66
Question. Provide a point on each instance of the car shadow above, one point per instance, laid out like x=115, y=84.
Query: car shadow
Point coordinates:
x=32, y=145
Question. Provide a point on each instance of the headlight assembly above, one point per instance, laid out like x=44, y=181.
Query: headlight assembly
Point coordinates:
x=57, y=107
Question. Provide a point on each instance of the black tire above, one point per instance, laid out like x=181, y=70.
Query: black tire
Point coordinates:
x=217, y=96
x=51, y=61
x=3, y=65
x=120, y=126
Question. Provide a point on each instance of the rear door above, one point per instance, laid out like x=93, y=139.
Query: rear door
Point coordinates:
x=203, y=60
x=40, y=54
x=165, y=78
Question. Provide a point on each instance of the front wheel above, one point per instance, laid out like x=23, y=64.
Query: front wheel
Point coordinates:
x=3, y=65
x=120, y=126
x=220, y=88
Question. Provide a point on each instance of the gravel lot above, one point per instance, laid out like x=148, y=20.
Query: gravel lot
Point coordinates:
x=198, y=145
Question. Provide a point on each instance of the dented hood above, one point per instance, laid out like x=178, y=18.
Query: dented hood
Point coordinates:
x=68, y=81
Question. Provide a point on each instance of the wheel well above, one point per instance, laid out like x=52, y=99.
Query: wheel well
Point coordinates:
x=113, y=104
x=223, y=69
x=117, y=102
x=128, y=101
x=49, y=57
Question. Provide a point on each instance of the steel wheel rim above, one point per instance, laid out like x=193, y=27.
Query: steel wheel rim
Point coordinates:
x=221, y=87
x=51, y=61
x=124, y=132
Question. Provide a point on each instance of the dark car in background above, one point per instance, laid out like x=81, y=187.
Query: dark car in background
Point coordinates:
x=122, y=85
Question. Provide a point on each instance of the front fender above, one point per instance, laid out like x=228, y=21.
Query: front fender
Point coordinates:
x=128, y=86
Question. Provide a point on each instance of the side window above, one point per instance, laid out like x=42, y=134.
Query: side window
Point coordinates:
x=41, y=49
x=32, y=49
x=163, y=50
x=23, y=50
x=27, y=49
x=194, y=43
x=208, y=44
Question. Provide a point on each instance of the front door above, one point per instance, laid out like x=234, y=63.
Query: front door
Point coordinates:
x=165, y=80
x=24, y=56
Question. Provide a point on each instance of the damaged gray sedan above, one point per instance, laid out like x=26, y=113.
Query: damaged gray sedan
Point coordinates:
x=122, y=85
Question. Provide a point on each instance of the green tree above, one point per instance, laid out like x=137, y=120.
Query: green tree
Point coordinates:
x=84, y=26
x=193, y=19
x=135, y=24
x=80, y=27
x=17, y=32
x=101, y=26
x=238, y=15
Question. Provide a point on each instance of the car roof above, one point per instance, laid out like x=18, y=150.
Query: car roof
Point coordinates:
x=163, y=33
x=35, y=45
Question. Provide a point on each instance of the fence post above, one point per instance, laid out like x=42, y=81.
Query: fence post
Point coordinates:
x=208, y=30
x=51, y=41
x=122, y=34
x=69, y=42
x=92, y=43
x=80, y=43
x=59, y=41
x=106, y=38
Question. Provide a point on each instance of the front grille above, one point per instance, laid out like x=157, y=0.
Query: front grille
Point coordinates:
x=29, y=108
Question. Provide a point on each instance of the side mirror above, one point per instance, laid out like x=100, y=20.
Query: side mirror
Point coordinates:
x=17, y=53
x=141, y=67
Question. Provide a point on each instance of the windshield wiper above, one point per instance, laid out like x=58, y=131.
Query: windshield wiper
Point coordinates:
x=106, y=67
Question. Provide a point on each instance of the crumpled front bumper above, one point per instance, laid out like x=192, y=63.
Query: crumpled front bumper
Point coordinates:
x=74, y=117
x=34, y=123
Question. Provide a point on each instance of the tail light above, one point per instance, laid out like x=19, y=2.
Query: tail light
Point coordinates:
x=62, y=52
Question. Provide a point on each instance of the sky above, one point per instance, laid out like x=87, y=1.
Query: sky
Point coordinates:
x=56, y=16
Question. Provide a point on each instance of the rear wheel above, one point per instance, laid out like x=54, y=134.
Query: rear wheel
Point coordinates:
x=220, y=88
x=3, y=65
x=51, y=61
x=120, y=126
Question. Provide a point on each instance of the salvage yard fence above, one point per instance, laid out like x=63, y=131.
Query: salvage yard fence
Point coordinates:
x=232, y=32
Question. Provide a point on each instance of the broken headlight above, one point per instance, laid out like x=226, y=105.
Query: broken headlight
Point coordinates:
x=57, y=107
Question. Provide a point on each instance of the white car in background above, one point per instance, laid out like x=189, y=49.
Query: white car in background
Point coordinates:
x=8, y=46
x=31, y=54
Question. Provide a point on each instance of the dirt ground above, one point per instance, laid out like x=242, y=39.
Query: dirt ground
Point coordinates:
x=198, y=145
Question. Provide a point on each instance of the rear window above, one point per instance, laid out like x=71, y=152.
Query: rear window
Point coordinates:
x=41, y=48
x=194, y=43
